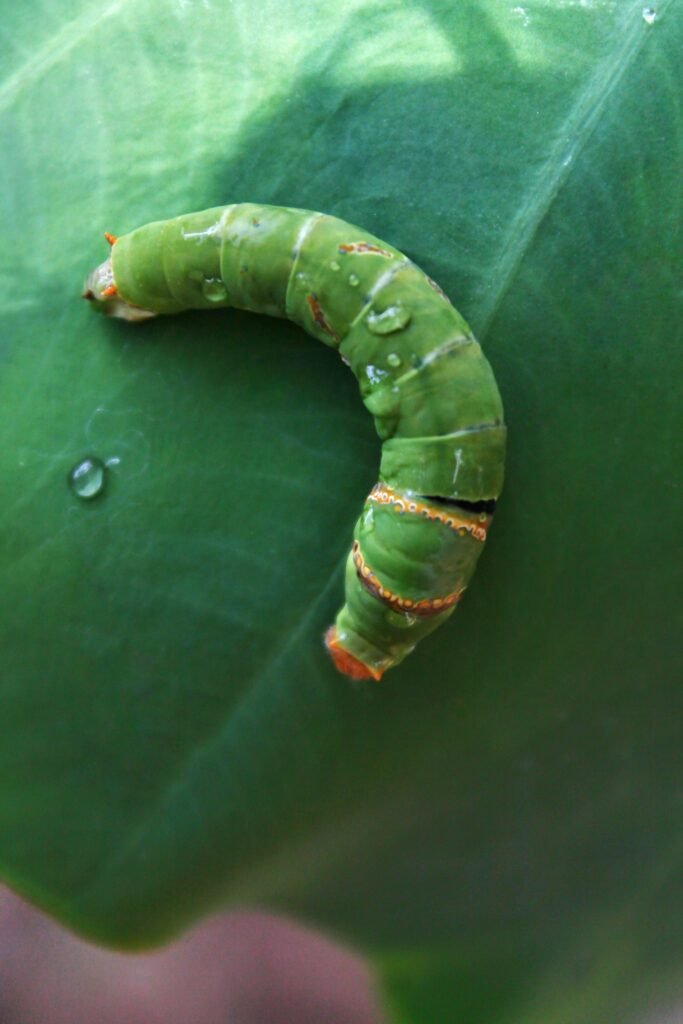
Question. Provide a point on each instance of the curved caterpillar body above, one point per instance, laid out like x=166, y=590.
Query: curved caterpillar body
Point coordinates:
x=422, y=376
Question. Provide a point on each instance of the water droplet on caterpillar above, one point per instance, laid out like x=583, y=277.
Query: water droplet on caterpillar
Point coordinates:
x=214, y=290
x=354, y=280
x=393, y=318
x=374, y=374
x=86, y=479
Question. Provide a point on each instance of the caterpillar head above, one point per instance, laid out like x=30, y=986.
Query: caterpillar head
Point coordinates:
x=100, y=290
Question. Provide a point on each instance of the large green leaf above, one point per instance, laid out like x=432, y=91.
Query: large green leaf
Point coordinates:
x=171, y=732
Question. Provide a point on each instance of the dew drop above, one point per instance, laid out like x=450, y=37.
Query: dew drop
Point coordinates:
x=334, y=265
x=354, y=280
x=374, y=374
x=214, y=290
x=393, y=318
x=86, y=479
x=649, y=15
x=523, y=14
x=394, y=359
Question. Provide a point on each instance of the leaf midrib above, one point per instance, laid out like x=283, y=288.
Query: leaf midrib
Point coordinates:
x=572, y=137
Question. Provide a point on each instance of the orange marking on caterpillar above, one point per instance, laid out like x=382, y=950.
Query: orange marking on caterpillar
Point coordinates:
x=319, y=317
x=110, y=238
x=108, y=292
x=345, y=662
x=361, y=247
x=423, y=609
x=383, y=495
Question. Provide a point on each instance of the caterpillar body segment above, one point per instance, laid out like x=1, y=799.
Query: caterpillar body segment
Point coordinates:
x=422, y=376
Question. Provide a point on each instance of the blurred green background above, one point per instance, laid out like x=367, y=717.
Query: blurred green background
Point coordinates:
x=499, y=823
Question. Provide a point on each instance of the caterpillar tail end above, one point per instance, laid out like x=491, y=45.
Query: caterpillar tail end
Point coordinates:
x=345, y=662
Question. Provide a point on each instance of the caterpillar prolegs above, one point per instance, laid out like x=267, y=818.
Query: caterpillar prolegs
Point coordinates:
x=422, y=376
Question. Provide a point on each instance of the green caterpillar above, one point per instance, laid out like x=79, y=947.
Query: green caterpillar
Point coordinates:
x=422, y=376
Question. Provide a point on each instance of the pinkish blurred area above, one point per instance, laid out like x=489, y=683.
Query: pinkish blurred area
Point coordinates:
x=244, y=968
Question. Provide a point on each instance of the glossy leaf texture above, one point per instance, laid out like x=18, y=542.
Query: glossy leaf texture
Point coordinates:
x=504, y=810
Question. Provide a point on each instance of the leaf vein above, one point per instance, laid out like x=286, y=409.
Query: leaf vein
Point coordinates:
x=57, y=47
x=208, y=746
x=573, y=136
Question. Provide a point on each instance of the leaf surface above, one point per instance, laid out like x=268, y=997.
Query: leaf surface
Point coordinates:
x=171, y=732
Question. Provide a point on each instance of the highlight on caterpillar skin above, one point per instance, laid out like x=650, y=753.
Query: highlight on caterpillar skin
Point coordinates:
x=422, y=376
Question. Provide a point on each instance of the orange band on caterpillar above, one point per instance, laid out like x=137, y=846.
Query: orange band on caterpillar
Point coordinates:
x=383, y=495
x=424, y=608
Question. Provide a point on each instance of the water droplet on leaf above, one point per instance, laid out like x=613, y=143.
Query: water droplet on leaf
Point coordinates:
x=394, y=359
x=86, y=479
x=523, y=14
x=649, y=15
x=334, y=265
x=354, y=280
